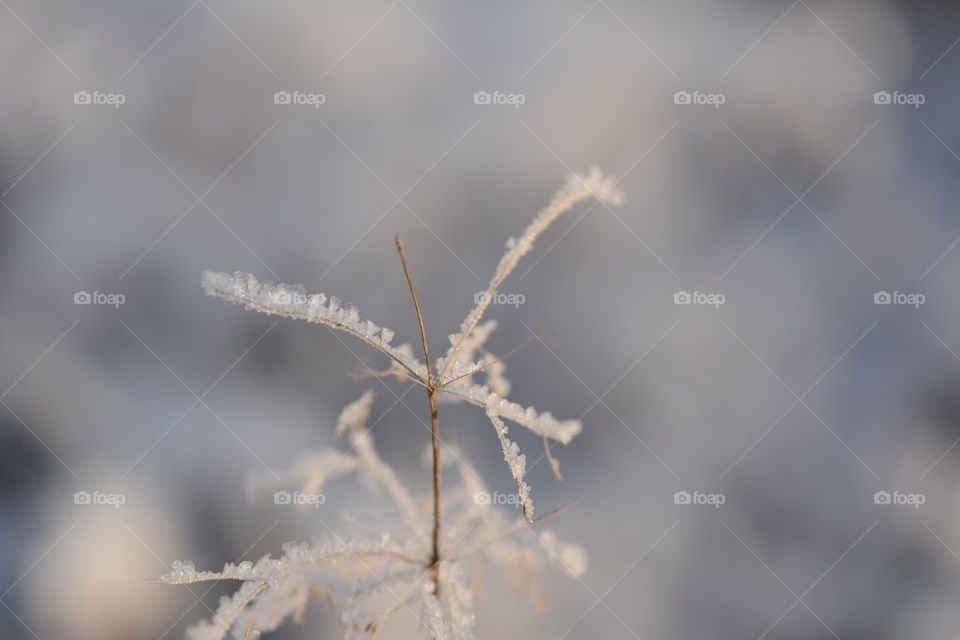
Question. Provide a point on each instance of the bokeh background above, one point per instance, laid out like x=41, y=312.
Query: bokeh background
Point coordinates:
x=798, y=199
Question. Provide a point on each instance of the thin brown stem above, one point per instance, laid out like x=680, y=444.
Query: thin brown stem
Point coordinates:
x=433, y=391
x=416, y=303
x=435, y=542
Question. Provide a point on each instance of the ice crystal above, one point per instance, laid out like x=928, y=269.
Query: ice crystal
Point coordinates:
x=516, y=461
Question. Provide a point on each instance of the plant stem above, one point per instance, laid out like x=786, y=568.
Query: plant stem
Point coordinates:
x=433, y=391
x=435, y=429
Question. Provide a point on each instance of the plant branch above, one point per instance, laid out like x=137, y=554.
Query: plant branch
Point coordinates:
x=363, y=371
x=433, y=390
x=416, y=303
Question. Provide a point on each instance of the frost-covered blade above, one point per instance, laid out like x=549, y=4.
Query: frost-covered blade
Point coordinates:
x=543, y=424
x=339, y=564
x=293, y=301
x=516, y=462
x=575, y=190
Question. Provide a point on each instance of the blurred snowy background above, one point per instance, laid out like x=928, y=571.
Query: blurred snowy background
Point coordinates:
x=799, y=198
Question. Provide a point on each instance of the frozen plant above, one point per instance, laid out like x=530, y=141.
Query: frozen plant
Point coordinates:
x=381, y=568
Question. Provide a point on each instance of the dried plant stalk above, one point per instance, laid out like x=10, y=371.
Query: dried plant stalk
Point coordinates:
x=425, y=566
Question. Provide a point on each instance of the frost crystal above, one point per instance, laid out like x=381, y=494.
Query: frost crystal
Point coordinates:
x=543, y=424
x=516, y=461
